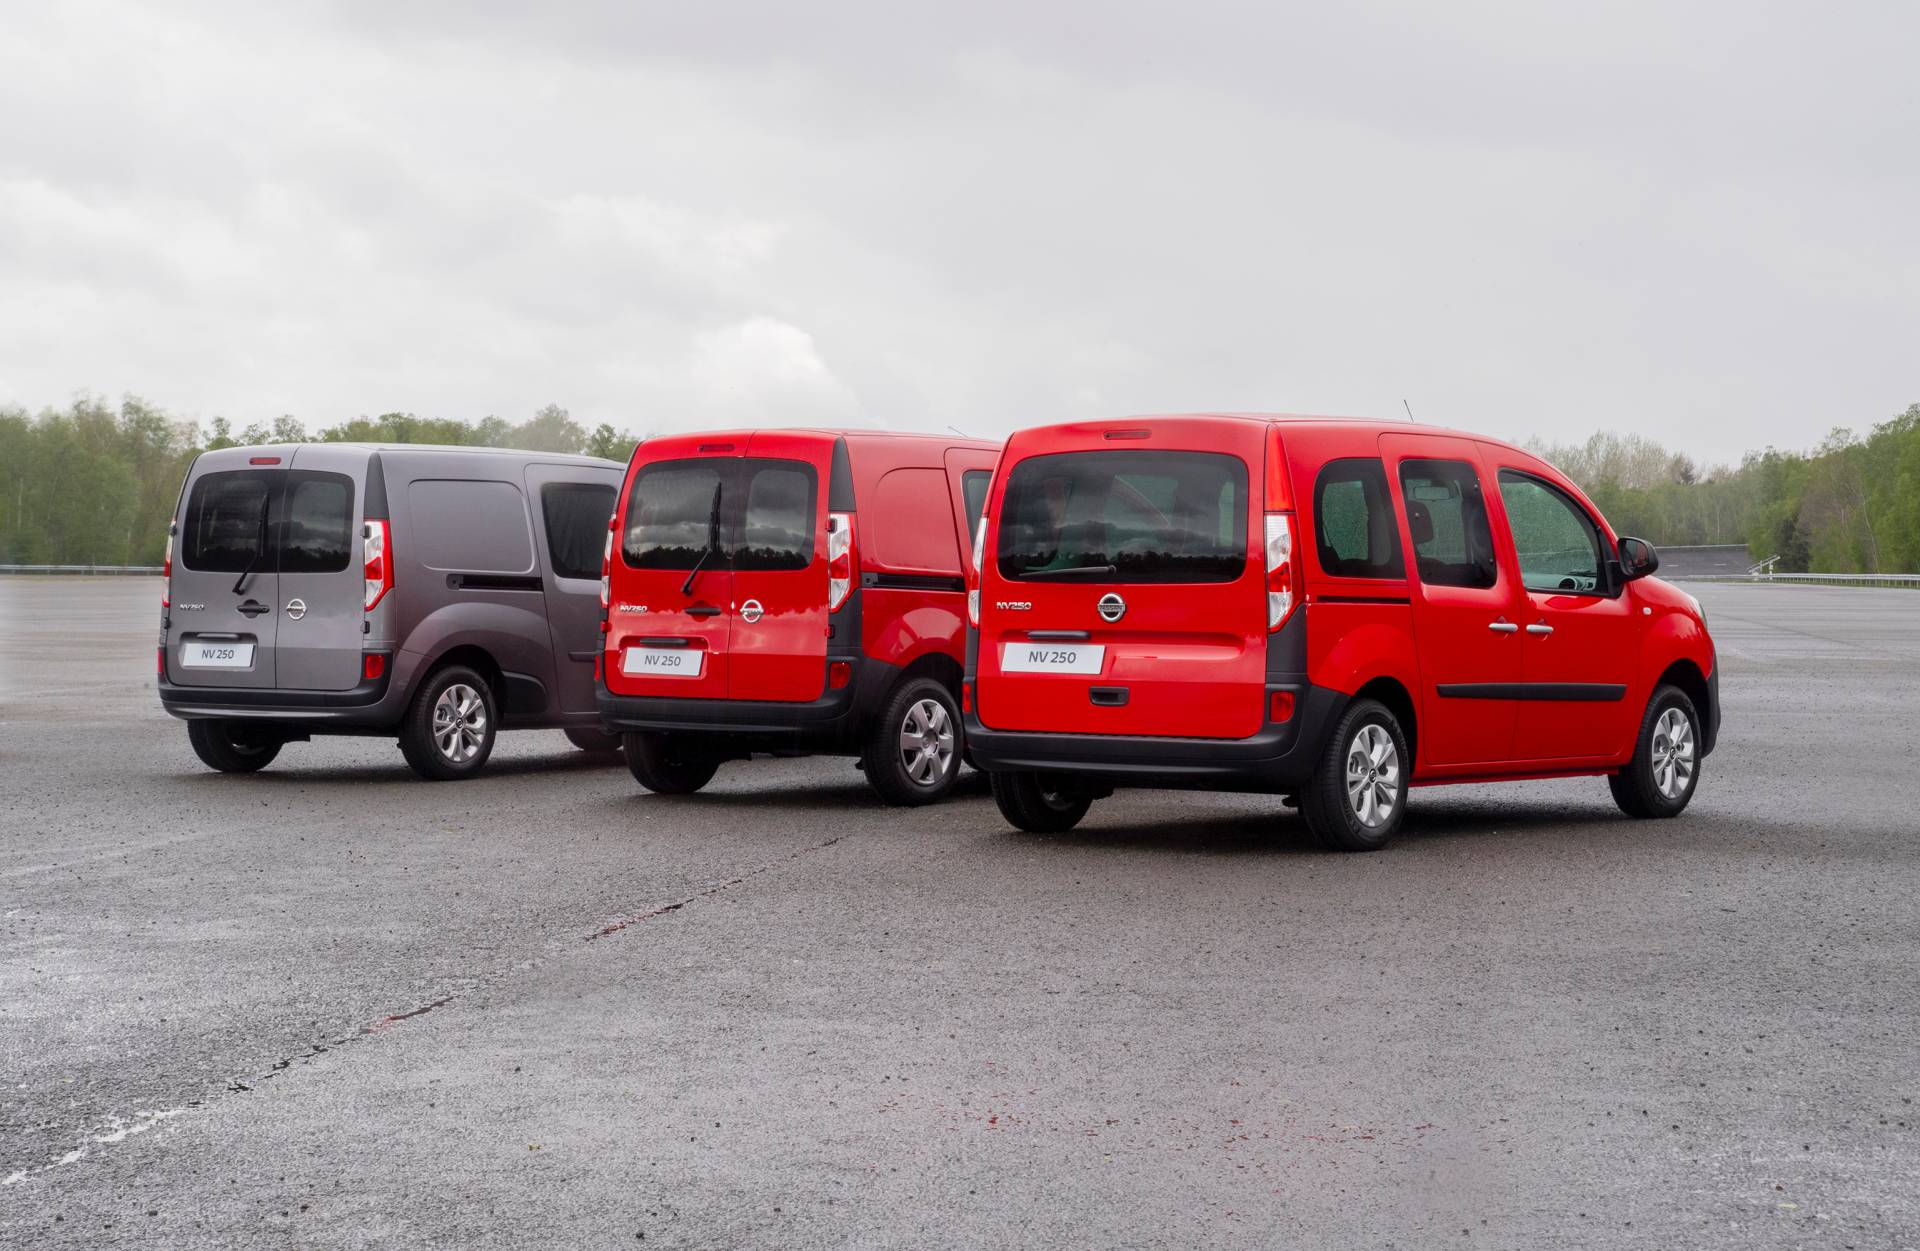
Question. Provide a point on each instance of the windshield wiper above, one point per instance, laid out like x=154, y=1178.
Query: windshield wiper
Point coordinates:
x=713, y=542
x=240, y=583
x=1076, y=572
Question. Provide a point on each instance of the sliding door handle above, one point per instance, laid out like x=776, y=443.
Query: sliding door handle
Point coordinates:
x=1540, y=629
x=1503, y=626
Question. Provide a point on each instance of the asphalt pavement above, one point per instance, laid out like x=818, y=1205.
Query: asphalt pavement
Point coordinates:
x=331, y=1005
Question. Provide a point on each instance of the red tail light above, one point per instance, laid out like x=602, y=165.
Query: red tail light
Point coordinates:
x=841, y=561
x=372, y=665
x=160, y=661
x=974, y=575
x=166, y=575
x=1282, y=582
x=1280, y=706
x=839, y=674
x=606, y=568
x=379, y=561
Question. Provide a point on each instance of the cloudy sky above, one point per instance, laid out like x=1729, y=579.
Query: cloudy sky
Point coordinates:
x=1696, y=221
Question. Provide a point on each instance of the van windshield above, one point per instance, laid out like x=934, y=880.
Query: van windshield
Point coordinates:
x=1125, y=517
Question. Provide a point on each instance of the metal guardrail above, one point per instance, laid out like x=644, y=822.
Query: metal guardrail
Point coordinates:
x=101, y=571
x=1806, y=579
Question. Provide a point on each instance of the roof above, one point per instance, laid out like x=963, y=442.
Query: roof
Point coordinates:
x=457, y=448
x=1379, y=425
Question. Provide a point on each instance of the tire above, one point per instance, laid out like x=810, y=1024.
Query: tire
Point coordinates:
x=593, y=740
x=912, y=753
x=449, y=728
x=668, y=764
x=232, y=746
x=1660, y=779
x=1357, y=795
x=1030, y=802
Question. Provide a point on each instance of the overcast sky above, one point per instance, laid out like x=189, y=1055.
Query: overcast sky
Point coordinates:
x=1699, y=221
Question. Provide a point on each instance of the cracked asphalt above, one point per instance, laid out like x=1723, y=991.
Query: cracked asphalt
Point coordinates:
x=333, y=1006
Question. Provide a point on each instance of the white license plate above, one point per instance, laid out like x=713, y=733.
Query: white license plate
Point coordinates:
x=216, y=655
x=663, y=662
x=1052, y=657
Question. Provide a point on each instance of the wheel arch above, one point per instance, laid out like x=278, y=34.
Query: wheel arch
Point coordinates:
x=474, y=657
x=1393, y=693
x=1686, y=675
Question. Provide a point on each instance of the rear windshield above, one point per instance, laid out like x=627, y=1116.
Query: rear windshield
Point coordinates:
x=318, y=534
x=1125, y=517
x=755, y=512
x=227, y=521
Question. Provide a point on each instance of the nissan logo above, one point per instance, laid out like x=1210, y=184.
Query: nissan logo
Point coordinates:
x=1111, y=607
x=751, y=611
x=296, y=609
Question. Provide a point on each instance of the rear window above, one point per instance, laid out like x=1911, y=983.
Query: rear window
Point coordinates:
x=318, y=534
x=1125, y=517
x=672, y=512
x=227, y=521
x=1353, y=523
x=576, y=517
x=973, y=490
x=778, y=527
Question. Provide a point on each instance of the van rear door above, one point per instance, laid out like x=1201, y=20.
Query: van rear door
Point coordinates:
x=222, y=614
x=671, y=589
x=321, y=582
x=779, y=549
x=1124, y=589
x=572, y=504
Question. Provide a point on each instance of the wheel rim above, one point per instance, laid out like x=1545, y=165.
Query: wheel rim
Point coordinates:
x=459, y=723
x=1673, y=753
x=926, y=742
x=1373, y=776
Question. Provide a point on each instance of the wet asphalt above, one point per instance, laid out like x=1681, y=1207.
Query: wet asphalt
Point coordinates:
x=333, y=1006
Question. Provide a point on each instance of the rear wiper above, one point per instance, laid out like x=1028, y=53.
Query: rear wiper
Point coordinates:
x=713, y=541
x=240, y=583
x=1075, y=572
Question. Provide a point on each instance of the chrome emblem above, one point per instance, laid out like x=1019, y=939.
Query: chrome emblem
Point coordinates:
x=1111, y=607
x=623, y=606
x=1013, y=605
x=296, y=609
x=751, y=611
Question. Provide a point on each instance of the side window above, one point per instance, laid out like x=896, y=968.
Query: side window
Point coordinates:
x=227, y=521
x=318, y=534
x=973, y=488
x=1558, y=545
x=576, y=515
x=776, y=531
x=1447, y=520
x=1353, y=521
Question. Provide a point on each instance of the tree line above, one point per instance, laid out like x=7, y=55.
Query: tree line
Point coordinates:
x=95, y=483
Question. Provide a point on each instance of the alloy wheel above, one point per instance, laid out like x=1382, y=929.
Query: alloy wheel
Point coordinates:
x=1673, y=754
x=1373, y=775
x=459, y=722
x=926, y=742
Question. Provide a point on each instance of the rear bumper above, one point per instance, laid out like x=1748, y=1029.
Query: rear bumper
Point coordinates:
x=1277, y=759
x=832, y=722
x=1710, y=715
x=367, y=704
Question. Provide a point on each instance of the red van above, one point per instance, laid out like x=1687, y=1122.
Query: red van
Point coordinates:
x=1330, y=610
x=791, y=591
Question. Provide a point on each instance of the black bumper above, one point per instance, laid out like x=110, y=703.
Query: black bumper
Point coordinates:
x=1279, y=758
x=1710, y=715
x=364, y=704
x=831, y=723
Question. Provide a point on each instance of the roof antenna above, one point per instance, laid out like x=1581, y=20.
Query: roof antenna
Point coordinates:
x=1409, y=408
x=957, y=430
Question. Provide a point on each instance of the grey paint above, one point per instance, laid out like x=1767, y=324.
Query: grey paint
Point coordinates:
x=439, y=500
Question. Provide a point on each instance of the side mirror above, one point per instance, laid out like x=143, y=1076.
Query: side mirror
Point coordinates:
x=1637, y=558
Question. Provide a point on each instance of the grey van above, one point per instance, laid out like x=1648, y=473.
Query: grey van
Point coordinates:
x=433, y=594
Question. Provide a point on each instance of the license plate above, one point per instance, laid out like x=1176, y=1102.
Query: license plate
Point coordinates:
x=1052, y=657
x=663, y=662
x=216, y=655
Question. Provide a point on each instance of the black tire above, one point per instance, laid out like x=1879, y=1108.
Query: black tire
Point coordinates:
x=232, y=746
x=450, y=743
x=926, y=711
x=593, y=740
x=669, y=764
x=1336, y=805
x=1038, y=805
x=1637, y=788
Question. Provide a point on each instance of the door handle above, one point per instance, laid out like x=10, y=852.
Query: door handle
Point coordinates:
x=703, y=610
x=253, y=608
x=1540, y=629
x=1503, y=626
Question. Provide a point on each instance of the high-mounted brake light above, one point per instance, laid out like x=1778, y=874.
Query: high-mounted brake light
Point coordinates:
x=166, y=575
x=606, y=567
x=378, y=570
x=840, y=559
x=974, y=575
x=263, y=460
x=1282, y=584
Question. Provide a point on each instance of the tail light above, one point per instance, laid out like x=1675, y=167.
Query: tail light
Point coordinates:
x=1282, y=583
x=974, y=576
x=166, y=575
x=840, y=559
x=379, y=561
x=372, y=665
x=606, y=568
